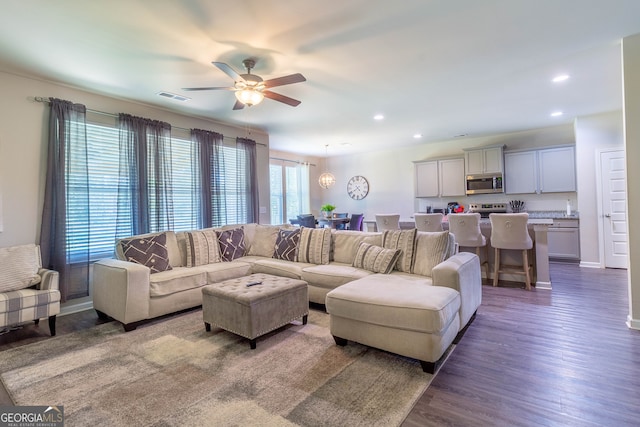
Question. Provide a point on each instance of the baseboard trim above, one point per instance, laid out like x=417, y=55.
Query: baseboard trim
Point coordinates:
x=633, y=323
x=590, y=264
x=70, y=308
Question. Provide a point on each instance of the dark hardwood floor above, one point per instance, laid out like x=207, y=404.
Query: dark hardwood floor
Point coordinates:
x=541, y=358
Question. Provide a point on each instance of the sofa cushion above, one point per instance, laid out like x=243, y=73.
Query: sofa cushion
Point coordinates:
x=431, y=249
x=394, y=302
x=28, y=304
x=403, y=240
x=332, y=275
x=286, y=246
x=231, y=243
x=201, y=247
x=264, y=240
x=315, y=245
x=279, y=267
x=345, y=244
x=375, y=258
x=176, y=280
x=20, y=266
x=148, y=251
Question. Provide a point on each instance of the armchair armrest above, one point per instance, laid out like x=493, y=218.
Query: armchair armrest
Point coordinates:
x=50, y=279
x=462, y=273
x=121, y=290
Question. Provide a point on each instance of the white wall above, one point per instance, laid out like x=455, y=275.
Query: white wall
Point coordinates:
x=593, y=135
x=23, y=134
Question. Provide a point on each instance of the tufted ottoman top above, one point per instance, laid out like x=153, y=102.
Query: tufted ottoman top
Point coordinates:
x=238, y=291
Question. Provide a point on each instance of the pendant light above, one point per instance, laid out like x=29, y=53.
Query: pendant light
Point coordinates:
x=326, y=180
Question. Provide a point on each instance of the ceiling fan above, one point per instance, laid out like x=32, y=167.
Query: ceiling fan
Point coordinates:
x=250, y=89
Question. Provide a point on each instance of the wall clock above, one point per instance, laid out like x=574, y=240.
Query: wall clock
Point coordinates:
x=358, y=187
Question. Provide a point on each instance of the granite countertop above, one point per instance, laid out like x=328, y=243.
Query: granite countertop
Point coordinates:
x=553, y=214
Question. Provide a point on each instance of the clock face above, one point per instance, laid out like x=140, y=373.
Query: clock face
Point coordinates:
x=358, y=187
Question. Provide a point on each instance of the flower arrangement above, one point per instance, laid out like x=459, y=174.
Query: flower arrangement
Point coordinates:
x=327, y=208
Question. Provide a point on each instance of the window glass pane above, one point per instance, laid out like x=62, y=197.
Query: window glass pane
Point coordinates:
x=276, y=205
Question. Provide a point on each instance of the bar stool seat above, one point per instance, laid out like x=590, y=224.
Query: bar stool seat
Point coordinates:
x=428, y=221
x=509, y=231
x=465, y=228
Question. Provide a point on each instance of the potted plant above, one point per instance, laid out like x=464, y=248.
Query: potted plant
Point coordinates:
x=327, y=210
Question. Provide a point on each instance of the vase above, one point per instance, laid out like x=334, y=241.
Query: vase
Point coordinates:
x=327, y=214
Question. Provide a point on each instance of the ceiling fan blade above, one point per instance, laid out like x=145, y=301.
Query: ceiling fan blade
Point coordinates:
x=286, y=80
x=228, y=71
x=281, y=98
x=238, y=105
x=208, y=88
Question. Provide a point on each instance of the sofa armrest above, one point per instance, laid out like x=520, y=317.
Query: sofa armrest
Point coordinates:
x=50, y=279
x=462, y=273
x=121, y=290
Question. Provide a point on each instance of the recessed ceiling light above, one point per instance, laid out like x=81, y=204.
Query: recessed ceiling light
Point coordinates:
x=417, y=135
x=560, y=78
x=556, y=114
x=378, y=117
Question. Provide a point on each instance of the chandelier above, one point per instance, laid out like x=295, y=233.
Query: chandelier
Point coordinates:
x=326, y=179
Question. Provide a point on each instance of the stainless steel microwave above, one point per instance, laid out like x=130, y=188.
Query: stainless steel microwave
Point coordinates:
x=484, y=184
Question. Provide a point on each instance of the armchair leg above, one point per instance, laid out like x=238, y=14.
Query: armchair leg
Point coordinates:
x=52, y=325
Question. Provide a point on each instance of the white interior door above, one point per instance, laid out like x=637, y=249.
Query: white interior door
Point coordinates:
x=614, y=209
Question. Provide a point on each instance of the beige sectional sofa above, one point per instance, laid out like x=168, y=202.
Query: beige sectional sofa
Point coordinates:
x=326, y=259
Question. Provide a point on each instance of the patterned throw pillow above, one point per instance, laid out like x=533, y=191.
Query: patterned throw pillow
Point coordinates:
x=149, y=251
x=403, y=240
x=375, y=258
x=231, y=243
x=202, y=247
x=433, y=248
x=20, y=266
x=287, y=245
x=315, y=245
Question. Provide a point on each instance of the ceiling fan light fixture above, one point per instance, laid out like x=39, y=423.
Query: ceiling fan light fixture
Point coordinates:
x=249, y=96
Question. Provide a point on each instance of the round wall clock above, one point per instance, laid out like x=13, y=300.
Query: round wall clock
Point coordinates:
x=358, y=187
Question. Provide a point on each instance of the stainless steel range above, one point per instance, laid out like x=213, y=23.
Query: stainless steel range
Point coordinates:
x=484, y=209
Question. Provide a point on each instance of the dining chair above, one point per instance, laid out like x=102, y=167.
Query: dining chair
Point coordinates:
x=356, y=222
x=465, y=228
x=509, y=231
x=308, y=221
x=428, y=221
x=388, y=222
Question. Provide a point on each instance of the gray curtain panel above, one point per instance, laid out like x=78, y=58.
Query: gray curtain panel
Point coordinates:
x=145, y=201
x=67, y=176
x=208, y=145
x=251, y=183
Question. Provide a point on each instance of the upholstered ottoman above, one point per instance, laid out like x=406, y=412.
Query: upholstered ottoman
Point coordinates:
x=403, y=316
x=252, y=311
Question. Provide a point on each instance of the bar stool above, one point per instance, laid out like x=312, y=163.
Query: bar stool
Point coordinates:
x=465, y=227
x=428, y=221
x=509, y=231
x=388, y=222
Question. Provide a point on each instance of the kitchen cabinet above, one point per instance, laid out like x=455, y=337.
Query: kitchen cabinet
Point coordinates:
x=563, y=239
x=549, y=170
x=440, y=178
x=484, y=160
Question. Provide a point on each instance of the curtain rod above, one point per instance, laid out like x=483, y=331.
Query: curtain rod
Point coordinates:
x=45, y=100
x=292, y=161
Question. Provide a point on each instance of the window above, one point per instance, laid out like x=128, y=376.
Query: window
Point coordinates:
x=289, y=191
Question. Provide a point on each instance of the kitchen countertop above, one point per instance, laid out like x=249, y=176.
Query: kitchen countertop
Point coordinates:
x=553, y=214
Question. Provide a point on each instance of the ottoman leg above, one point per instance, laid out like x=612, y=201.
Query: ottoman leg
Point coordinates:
x=252, y=344
x=304, y=319
x=340, y=341
x=207, y=326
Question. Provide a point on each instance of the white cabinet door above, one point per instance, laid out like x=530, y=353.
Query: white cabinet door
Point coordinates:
x=557, y=169
x=483, y=161
x=452, y=181
x=427, y=179
x=564, y=243
x=521, y=172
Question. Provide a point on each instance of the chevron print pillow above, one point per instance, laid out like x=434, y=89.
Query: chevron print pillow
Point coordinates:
x=287, y=245
x=149, y=251
x=231, y=243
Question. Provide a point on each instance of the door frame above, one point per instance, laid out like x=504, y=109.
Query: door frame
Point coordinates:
x=599, y=200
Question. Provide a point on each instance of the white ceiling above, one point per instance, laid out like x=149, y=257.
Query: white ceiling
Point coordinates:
x=436, y=67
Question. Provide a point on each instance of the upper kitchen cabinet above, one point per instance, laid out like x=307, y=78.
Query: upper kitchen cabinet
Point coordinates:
x=440, y=178
x=484, y=160
x=549, y=170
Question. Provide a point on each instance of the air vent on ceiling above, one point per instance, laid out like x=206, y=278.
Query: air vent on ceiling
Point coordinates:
x=173, y=96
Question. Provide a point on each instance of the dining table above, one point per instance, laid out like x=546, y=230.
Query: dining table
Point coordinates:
x=333, y=222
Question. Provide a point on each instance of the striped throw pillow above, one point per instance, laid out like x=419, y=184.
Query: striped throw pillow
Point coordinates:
x=202, y=247
x=431, y=249
x=314, y=245
x=403, y=240
x=375, y=258
x=20, y=266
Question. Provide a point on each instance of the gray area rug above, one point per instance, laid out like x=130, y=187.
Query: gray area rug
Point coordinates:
x=173, y=372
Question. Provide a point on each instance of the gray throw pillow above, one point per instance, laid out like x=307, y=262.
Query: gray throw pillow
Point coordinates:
x=286, y=246
x=148, y=251
x=231, y=243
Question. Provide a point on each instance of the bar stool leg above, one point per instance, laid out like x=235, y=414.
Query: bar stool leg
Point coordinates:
x=496, y=267
x=525, y=262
